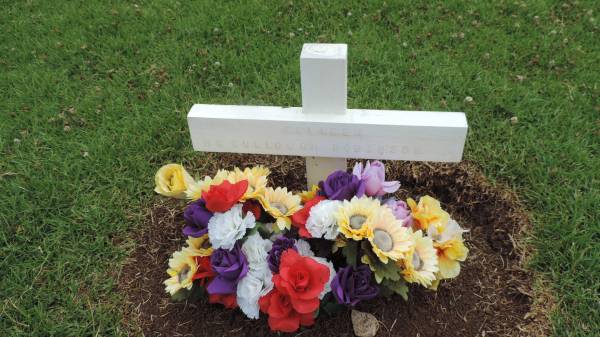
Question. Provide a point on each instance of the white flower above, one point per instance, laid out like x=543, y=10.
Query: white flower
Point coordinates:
x=251, y=288
x=327, y=287
x=224, y=229
x=304, y=248
x=321, y=221
x=448, y=232
x=256, y=250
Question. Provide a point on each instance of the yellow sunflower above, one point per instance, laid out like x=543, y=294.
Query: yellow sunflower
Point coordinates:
x=356, y=215
x=281, y=205
x=428, y=212
x=195, y=190
x=421, y=263
x=198, y=246
x=257, y=180
x=308, y=195
x=389, y=239
x=182, y=267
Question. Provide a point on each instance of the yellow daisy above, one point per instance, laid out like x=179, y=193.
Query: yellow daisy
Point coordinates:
x=307, y=195
x=281, y=205
x=428, y=212
x=195, y=190
x=389, y=239
x=257, y=180
x=421, y=263
x=182, y=267
x=356, y=215
x=198, y=246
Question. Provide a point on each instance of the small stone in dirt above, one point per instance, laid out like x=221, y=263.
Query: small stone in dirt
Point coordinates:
x=514, y=120
x=364, y=324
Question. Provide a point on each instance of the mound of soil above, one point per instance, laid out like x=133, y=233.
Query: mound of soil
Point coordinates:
x=491, y=297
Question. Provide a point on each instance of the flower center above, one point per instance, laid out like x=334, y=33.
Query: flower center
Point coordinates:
x=416, y=261
x=301, y=281
x=356, y=221
x=280, y=207
x=383, y=240
x=183, y=274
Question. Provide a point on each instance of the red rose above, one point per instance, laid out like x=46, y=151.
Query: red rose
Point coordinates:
x=204, y=272
x=252, y=206
x=228, y=300
x=220, y=198
x=299, y=218
x=302, y=279
x=282, y=316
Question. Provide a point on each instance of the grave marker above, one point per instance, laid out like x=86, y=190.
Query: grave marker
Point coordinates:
x=324, y=130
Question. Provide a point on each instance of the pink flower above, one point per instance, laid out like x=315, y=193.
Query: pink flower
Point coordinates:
x=400, y=210
x=373, y=176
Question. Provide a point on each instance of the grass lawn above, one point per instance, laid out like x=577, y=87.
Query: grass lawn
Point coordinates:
x=94, y=99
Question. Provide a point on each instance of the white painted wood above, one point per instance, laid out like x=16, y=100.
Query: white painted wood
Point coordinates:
x=323, y=75
x=324, y=130
x=318, y=168
x=364, y=134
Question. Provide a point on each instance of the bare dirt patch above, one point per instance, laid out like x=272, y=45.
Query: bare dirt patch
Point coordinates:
x=493, y=295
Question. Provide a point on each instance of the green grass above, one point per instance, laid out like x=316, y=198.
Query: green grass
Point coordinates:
x=122, y=77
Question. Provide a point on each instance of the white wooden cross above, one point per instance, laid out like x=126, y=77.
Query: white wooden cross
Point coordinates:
x=324, y=130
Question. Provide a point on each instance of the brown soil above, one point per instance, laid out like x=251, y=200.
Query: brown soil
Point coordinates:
x=492, y=296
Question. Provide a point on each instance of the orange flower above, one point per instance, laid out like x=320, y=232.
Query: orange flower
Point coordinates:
x=428, y=212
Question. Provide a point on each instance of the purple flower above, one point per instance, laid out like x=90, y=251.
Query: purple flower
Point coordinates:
x=196, y=219
x=280, y=245
x=341, y=185
x=230, y=266
x=400, y=210
x=373, y=176
x=352, y=285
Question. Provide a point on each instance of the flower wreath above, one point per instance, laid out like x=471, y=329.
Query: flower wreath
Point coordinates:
x=289, y=255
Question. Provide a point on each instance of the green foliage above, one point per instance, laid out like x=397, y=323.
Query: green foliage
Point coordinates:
x=330, y=306
x=399, y=287
x=94, y=100
x=350, y=252
x=381, y=271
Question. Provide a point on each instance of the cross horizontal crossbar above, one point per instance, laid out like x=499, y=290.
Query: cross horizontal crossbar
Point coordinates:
x=359, y=133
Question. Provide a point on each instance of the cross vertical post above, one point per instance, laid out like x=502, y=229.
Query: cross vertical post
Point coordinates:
x=323, y=75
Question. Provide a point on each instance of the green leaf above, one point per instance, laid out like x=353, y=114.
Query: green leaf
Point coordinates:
x=181, y=295
x=350, y=252
x=381, y=271
x=330, y=306
x=397, y=287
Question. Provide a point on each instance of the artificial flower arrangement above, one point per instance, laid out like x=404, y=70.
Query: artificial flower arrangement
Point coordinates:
x=291, y=256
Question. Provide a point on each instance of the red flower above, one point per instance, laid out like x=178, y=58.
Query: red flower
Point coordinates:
x=299, y=218
x=204, y=272
x=228, y=300
x=252, y=206
x=302, y=279
x=282, y=316
x=220, y=198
